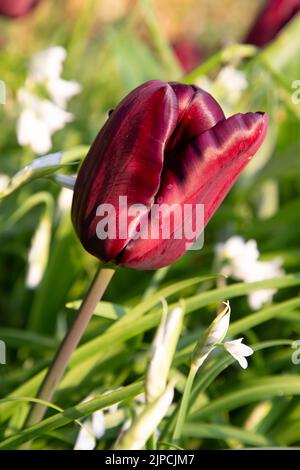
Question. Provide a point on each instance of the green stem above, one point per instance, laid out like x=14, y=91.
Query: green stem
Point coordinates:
x=184, y=403
x=97, y=288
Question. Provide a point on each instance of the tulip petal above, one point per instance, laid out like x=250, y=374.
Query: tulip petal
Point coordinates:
x=202, y=173
x=126, y=159
x=198, y=112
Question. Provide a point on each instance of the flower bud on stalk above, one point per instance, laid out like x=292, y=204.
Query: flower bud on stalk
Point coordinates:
x=214, y=335
x=165, y=145
x=16, y=8
x=163, y=349
x=274, y=16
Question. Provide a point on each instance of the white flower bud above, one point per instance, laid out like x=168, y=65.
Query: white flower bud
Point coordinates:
x=163, y=349
x=215, y=334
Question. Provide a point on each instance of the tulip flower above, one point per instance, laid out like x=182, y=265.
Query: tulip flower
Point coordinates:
x=16, y=8
x=188, y=53
x=275, y=15
x=165, y=145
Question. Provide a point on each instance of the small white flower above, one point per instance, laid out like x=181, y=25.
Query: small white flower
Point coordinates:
x=85, y=439
x=238, y=256
x=64, y=201
x=67, y=181
x=92, y=428
x=4, y=181
x=239, y=259
x=41, y=117
x=61, y=91
x=98, y=424
x=239, y=351
x=47, y=63
x=233, y=81
x=38, y=253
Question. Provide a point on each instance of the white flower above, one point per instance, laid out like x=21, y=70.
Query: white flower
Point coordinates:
x=233, y=81
x=98, y=425
x=38, y=253
x=67, y=181
x=61, y=91
x=4, y=181
x=41, y=117
x=47, y=63
x=239, y=259
x=64, y=201
x=239, y=351
x=238, y=255
x=92, y=429
x=85, y=439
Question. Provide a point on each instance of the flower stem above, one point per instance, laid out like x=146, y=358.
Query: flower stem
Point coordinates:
x=184, y=403
x=97, y=288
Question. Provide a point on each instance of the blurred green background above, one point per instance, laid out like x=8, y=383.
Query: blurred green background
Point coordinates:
x=113, y=46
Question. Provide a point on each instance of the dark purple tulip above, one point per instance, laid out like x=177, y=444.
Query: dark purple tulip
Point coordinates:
x=188, y=53
x=164, y=143
x=16, y=8
x=275, y=15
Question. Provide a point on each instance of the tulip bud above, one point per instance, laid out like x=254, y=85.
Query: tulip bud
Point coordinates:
x=146, y=423
x=163, y=349
x=16, y=8
x=215, y=334
x=274, y=16
x=165, y=151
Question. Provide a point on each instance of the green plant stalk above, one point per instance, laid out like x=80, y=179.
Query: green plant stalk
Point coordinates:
x=184, y=403
x=55, y=372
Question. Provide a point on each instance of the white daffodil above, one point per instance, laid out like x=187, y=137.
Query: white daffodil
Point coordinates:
x=239, y=351
x=41, y=116
x=214, y=335
x=240, y=259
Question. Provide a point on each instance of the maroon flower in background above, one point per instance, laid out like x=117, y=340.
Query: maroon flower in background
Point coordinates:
x=275, y=15
x=165, y=143
x=16, y=8
x=188, y=53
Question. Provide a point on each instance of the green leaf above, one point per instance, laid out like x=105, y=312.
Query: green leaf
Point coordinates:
x=71, y=414
x=260, y=389
x=224, y=432
x=104, y=309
